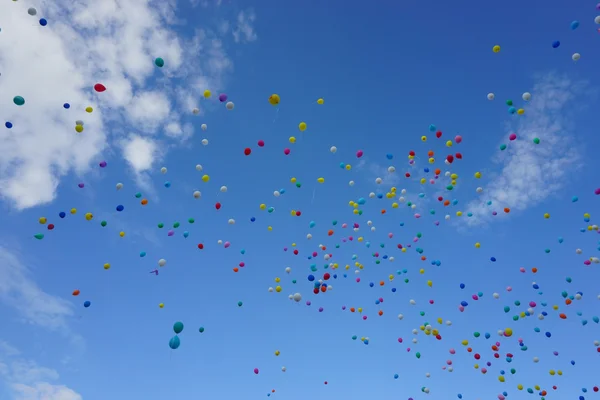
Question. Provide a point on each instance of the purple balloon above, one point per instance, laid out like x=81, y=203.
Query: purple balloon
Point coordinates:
x=81, y=185
x=170, y=233
x=222, y=97
x=102, y=164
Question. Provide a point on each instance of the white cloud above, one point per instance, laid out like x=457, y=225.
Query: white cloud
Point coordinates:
x=373, y=170
x=88, y=42
x=149, y=109
x=29, y=381
x=140, y=152
x=244, y=31
x=19, y=291
x=530, y=173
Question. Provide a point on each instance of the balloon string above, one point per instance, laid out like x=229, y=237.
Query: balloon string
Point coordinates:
x=313, y=196
x=276, y=115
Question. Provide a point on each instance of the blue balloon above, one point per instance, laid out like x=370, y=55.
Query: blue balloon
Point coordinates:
x=493, y=259
x=311, y=278
x=252, y=219
x=462, y=285
x=574, y=199
x=86, y=304
x=174, y=343
x=67, y=106
x=548, y=334
x=574, y=25
x=120, y=208
x=167, y=184
x=62, y=214
x=8, y=124
x=186, y=234
x=143, y=254
x=389, y=156
x=555, y=44
x=43, y=22
x=395, y=376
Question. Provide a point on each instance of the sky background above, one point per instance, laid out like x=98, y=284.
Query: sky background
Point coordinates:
x=386, y=73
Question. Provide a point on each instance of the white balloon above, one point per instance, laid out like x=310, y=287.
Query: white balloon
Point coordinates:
x=578, y=296
x=196, y=111
x=333, y=149
x=204, y=127
x=597, y=20
x=223, y=189
x=576, y=57
x=162, y=262
x=230, y=105
x=412, y=302
x=403, y=191
x=197, y=194
x=447, y=217
x=198, y=167
x=309, y=236
x=496, y=295
x=276, y=193
x=205, y=142
x=526, y=96
x=378, y=181
x=163, y=170
x=400, y=316
x=479, y=190
x=288, y=270
x=119, y=186
x=283, y=369
x=231, y=221
x=391, y=169
x=351, y=183
x=219, y=241
x=535, y=359
x=371, y=195
x=491, y=96
x=32, y=11
x=370, y=223
x=297, y=297
x=449, y=323
x=270, y=290
x=578, y=251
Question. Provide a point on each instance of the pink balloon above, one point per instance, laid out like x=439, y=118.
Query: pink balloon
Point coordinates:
x=227, y=244
x=512, y=136
x=357, y=280
x=261, y=143
x=256, y=371
x=509, y=289
x=452, y=351
x=286, y=151
x=359, y=154
x=458, y=139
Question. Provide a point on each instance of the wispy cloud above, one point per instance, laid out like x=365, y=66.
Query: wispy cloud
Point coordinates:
x=244, y=31
x=29, y=381
x=529, y=172
x=18, y=290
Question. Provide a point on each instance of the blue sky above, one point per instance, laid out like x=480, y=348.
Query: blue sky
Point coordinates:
x=386, y=73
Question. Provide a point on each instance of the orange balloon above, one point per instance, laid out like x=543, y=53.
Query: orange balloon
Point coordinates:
x=330, y=232
x=446, y=203
x=469, y=349
x=437, y=171
x=534, y=270
x=568, y=301
x=323, y=289
x=144, y=202
x=423, y=258
x=562, y=316
x=383, y=211
x=351, y=309
x=236, y=269
x=430, y=153
x=381, y=283
x=380, y=313
x=76, y=292
x=324, y=248
x=506, y=210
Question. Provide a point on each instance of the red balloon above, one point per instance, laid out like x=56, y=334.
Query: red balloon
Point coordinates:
x=98, y=87
x=200, y=246
x=247, y=151
x=261, y=143
x=450, y=158
x=438, y=134
x=326, y=276
x=298, y=213
x=316, y=291
x=218, y=206
x=458, y=155
x=411, y=153
x=296, y=251
x=50, y=227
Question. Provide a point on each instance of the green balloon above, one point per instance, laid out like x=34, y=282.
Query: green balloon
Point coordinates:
x=178, y=327
x=240, y=303
x=161, y=225
x=509, y=102
x=191, y=220
x=418, y=355
x=159, y=62
x=176, y=225
x=476, y=334
x=502, y=147
x=536, y=140
x=39, y=236
x=18, y=100
x=103, y=223
x=201, y=330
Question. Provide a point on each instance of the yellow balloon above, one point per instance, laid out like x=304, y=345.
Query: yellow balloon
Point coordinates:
x=277, y=279
x=521, y=111
x=478, y=175
x=79, y=128
x=263, y=206
x=320, y=101
x=42, y=220
x=106, y=266
x=359, y=309
x=277, y=352
x=423, y=138
x=496, y=49
x=429, y=283
x=453, y=176
x=552, y=372
x=464, y=342
x=449, y=143
x=207, y=94
x=423, y=181
x=459, y=213
x=520, y=387
x=508, y=332
x=122, y=234
x=270, y=228
x=422, y=271
x=321, y=180
x=293, y=213
x=431, y=160
x=292, y=139
x=274, y=99
x=501, y=378
x=89, y=109
x=293, y=180
x=477, y=245
x=205, y=178
x=73, y=211
x=278, y=289
x=161, y=305
x=89, y=216
x=348, y=167
x=302, y=126
x=546, y=215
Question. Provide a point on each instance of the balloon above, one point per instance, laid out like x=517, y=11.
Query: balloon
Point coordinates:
x=274, y=99
x=496, y=49
x=43, y=22
x=178, y=327
x=159, y=62
x=174, y=343
x=87, y=303
x=555, y=44
x=302, y=126
x=18, y=100
x=32, y=11
x=229, y=105
x=98, y=87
